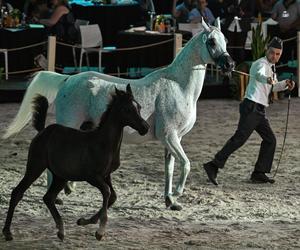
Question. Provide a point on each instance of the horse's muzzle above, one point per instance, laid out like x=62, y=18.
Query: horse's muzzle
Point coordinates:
x=227, y=64
x=144, y=128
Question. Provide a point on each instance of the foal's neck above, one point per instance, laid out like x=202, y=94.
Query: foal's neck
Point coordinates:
x=111, y=130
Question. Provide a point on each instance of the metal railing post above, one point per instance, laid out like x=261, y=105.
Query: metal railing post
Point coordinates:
x=51, y=53
x=177, y=43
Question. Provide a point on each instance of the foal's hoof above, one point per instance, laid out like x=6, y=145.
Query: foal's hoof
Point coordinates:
x=81, y=222
x=7, y=235
x=98, y=236
x=60, y=235
x=59, y=201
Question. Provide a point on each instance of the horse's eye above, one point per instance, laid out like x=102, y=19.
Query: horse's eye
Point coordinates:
x=211, y=42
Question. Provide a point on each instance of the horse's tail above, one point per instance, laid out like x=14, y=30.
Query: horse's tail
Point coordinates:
x=39, y=112
x=45, y=83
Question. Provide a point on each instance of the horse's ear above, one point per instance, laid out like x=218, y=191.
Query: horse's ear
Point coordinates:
x=128, y=89
x=204, y=24
x=218, y=23
x=117, y=91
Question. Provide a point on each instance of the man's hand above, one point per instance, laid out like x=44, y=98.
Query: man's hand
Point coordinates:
x=271, y=81
x=290, y=84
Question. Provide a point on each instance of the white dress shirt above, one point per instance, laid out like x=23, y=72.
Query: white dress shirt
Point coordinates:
x=258, y=89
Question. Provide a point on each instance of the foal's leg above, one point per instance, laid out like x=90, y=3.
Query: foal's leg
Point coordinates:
x=100, y=183
x=16, y=196
x=112, y=198
x=113, y=195
x=56, y=186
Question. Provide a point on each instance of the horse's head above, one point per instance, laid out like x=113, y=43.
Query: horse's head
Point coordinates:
x=215, y=44
x=129, y=111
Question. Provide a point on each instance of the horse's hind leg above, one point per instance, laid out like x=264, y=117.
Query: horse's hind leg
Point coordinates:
x=16, y=196
x=113, y=195
x=56, y=186
x=169, y=170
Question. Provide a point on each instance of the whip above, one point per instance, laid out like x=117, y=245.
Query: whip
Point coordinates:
x=286, y=127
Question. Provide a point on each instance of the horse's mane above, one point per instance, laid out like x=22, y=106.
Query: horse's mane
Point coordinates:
x=105, y=115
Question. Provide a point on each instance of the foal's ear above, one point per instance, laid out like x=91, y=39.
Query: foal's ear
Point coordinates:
x=128, y=89
x=117, y=91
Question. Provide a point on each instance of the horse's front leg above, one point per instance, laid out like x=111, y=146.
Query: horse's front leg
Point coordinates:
x=100, y=183
x=172, y=142
x=94, y=219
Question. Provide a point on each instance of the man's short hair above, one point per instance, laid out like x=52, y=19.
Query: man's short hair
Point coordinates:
x=276, y=43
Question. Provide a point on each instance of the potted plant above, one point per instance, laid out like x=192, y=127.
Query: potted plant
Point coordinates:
x=16, y=16
x=259, y=43
x=258, y=48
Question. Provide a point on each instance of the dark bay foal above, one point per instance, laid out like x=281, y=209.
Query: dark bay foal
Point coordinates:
x=78, y=156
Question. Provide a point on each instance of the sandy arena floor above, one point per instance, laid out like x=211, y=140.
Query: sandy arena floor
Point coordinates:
x=234, y=215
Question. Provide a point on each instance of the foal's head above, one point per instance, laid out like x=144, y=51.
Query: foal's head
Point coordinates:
x=128, y=110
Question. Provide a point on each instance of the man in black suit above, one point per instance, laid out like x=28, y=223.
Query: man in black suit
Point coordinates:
x=239, y=14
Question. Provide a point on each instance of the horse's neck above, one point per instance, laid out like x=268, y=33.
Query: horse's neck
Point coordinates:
x=188, y=69
x=112, y=130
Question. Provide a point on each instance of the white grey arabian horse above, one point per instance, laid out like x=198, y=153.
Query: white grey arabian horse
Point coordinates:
x=168, y=97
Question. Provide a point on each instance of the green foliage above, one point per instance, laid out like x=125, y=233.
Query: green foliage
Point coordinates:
x=16, y=13
x=160, y=19
x=259, y=44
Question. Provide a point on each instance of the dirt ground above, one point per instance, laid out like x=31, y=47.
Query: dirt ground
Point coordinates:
x=235, y=215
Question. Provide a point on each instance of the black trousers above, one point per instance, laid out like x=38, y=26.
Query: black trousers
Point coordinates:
x=252, y=117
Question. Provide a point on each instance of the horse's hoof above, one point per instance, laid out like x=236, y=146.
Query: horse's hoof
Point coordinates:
x=67, y=190
x=59, y=201
x=60, y=235
x=98, y=236
x=176, y=207
x=81, y=222
x=168, y=201
x=69, y=187
x=8, y=236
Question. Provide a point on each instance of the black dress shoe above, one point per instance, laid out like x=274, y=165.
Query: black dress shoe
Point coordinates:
x=211, y=170
x=258, y=177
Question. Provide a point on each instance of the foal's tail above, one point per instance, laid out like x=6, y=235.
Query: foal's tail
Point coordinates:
x=45, y=83
x=39, y=112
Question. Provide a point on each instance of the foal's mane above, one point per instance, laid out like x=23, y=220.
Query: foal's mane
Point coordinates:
x=114, y=99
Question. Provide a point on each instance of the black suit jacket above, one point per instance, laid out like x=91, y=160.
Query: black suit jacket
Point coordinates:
x=233, y=9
